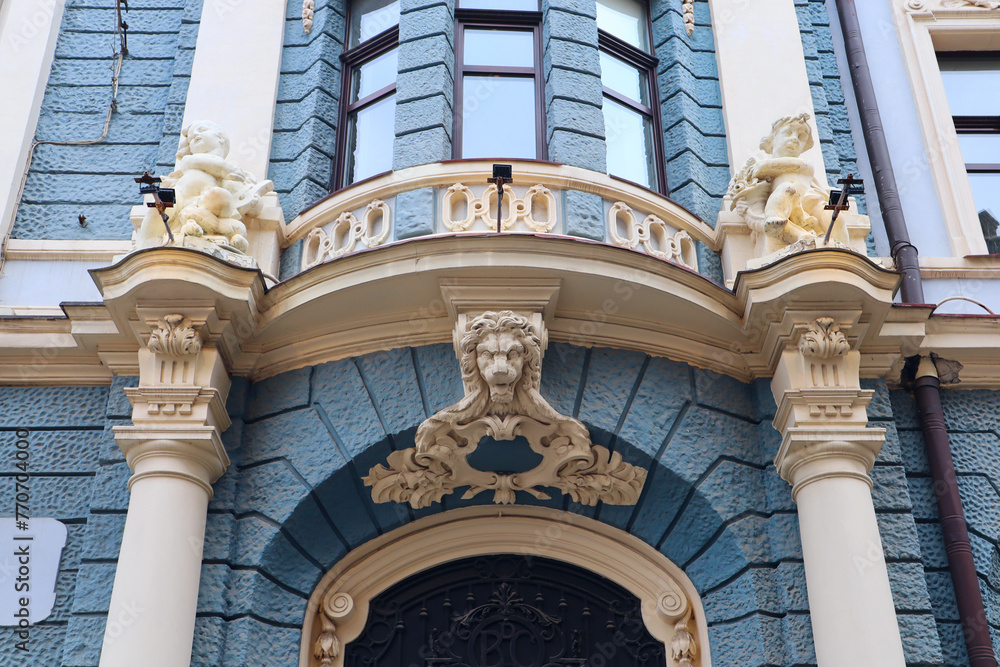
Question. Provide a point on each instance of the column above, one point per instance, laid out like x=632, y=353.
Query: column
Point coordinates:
x=826, y=454
x=175, y=453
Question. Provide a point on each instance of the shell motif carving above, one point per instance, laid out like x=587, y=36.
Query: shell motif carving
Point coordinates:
x=175, y=336
x=346, y=232
x=500, y=360
x=824, y=340
x=652, y=233
x=483, y=209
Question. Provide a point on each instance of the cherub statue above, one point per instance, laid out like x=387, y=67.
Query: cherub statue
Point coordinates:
x=212, y=194
x=778, y=195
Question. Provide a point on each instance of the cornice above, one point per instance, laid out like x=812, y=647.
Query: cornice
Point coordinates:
x=391, y=297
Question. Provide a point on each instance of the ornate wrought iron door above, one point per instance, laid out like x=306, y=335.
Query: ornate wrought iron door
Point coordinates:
x=505, y=611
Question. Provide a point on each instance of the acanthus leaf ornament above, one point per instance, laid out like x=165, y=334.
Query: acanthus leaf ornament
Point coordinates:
x=683, y=647
x=500, y=359
x=824, y=340
x=175, y=336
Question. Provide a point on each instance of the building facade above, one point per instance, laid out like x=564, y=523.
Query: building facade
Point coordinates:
x=332, y=387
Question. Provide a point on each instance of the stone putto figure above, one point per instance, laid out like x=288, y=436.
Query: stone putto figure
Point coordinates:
x=779, y=196
x=212, y=195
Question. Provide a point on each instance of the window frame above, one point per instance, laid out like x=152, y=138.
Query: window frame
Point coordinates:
x=491, y=19
x=926, y=33
x=648, y=62
x=351, y=60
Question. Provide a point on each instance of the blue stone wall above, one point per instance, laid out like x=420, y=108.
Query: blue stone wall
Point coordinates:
x=835, y=137
x=973, y=421
x=305, y=123
x=96, y=181
x=694, y=136
x=78, y=476
x=293, y=502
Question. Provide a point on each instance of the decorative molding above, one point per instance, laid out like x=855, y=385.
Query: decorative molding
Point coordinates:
x=59, y=250
x=823, y=340
x=982, y=4
x=654, y=235
x=501, y=370
x=346, y=232
x=338, y=608
x=308, y=11
x=687, y=8
x=482, y=209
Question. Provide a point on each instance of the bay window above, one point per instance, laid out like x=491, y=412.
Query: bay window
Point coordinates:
x=631, y=105
x=368, y=92
x=498, y=81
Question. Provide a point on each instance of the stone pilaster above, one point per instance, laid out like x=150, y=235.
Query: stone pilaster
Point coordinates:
x=175, y=453
x=826, y=453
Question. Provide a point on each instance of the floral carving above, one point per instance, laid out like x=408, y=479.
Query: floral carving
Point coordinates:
x=500, y=358
x=652, y=233
x=687, y=7
x=328, y=646
x=308, y=11
x=483, y=209
x=175, y=336
x=683, y=648
x=345, y=234
x=824, y=340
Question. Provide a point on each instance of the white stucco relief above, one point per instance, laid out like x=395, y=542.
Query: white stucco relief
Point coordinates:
x=344, y=234
x=500, y=357
x=538, y=200
x=653, y=234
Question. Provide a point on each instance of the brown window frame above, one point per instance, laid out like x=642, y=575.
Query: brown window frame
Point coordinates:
x=499, y=20
x=351, y=59
x=619, y=48
x=974, y=124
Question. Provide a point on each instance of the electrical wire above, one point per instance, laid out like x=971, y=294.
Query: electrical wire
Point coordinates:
x=119, y=51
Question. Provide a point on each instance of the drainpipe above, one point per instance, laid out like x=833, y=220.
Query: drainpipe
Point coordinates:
x=927, y=389
x=927, y=385
x=903, y=252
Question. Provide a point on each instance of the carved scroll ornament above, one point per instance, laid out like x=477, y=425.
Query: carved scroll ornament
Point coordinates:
x=500, y=360
x=652, y=233
x=482, y=209
x=345, y=234
x=175, y=336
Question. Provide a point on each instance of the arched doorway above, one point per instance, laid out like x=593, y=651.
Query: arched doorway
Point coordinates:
x=510, y=585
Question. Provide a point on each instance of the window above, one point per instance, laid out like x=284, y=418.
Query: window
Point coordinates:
x=368, y=92
x=628, y=76
x=972, y=84
x=498, y=82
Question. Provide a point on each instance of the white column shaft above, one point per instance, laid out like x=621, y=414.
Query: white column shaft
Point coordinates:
x=850, y=602
x=234, y=77
x=762, y=73
x=153, y=604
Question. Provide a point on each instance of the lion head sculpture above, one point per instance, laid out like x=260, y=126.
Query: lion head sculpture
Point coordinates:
x=501, y=363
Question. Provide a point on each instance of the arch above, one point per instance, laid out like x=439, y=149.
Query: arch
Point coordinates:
x=338, y=607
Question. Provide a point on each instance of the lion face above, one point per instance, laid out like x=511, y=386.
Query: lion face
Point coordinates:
x=500, y=358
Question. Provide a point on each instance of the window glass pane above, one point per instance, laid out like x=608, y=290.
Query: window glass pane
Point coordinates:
x=626, y=20
x=986, y=192
x=502, y=48
x=371, y=17
x=980, y=148
x=630, y=144
x=498, y=117
x=623, y=78
x=374, y=75
x=972, y=85
x=504, y=5
x=370, y=132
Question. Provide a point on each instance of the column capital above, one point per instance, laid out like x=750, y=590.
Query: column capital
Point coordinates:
x=822, y=409
x=178, y=409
